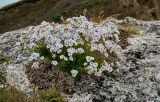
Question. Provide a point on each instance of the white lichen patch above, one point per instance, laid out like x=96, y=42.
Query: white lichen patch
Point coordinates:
x=16, y=77
x=135, y=79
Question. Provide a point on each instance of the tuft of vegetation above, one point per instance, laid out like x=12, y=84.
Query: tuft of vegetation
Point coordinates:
x=10, y=94
x=58, y=16
x=86, y=53
x=130, y=29
x=78, y=58
x=67, y=66
x=76, y=64
x=2, y=76
x=44, y=51
x=4, y=58
x=50, y=95
x=127, y=31
x=83, y=5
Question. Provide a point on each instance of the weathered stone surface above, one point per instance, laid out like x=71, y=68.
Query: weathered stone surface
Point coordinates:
x=137, y=78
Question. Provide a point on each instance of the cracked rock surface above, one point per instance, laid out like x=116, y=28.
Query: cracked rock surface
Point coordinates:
x=138, y=69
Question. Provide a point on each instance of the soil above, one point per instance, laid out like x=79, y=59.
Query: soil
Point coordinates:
x=32, y=12
x=47, y=76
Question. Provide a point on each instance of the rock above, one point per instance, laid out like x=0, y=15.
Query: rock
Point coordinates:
x=137, y=78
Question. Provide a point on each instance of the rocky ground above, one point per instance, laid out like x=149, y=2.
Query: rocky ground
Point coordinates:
x=137, y=78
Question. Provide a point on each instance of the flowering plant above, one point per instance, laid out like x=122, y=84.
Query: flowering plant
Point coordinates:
x=77, y=46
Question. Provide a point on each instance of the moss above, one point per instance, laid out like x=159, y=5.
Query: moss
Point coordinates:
x=2, y=76
x=4, y=58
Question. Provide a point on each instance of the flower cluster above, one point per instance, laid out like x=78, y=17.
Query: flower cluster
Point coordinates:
x=76, y=45
x=34, y=56
x=35, y=65
x=54, y=63
x=74, y=73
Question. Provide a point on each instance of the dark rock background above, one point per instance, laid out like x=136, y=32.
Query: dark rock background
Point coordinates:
x=32, y=12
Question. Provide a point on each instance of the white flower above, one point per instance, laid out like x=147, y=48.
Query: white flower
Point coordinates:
x=71, y=58
x=92, y=58
x=99, y=73
x=42, y=58
x=31, y=45
x=106, y=54
x=74, y=73
x=112, y=64
x=94, y=47
x=89, y=58
x=34, y=56
x=44, y=23
x=95, y=64
x=71, y=37
x=85, y=64
x=62, y=57
x=59, y=51
x=71, y=50
x=54, y=55
x=54, y=63
x=89, y=72
x=80, y=50
x=70, y=54
x=101, y=48
x=65, y=58
x=35, y=65
x=90, y=69
x=107, y=67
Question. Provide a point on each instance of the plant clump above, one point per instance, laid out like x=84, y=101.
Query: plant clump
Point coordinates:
x=130, y=29
x=127, y=31
x=76, y=46
x=2, y=76
x=4, y=58
x=10, y=94
x=50, y=95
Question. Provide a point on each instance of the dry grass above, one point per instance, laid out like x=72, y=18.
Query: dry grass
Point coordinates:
x=127, y=31
x=2, y=77
x=11, y=94
x=130, y=29
x=49, y=95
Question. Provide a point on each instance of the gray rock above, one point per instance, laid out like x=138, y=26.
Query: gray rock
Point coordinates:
x=138, y=75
